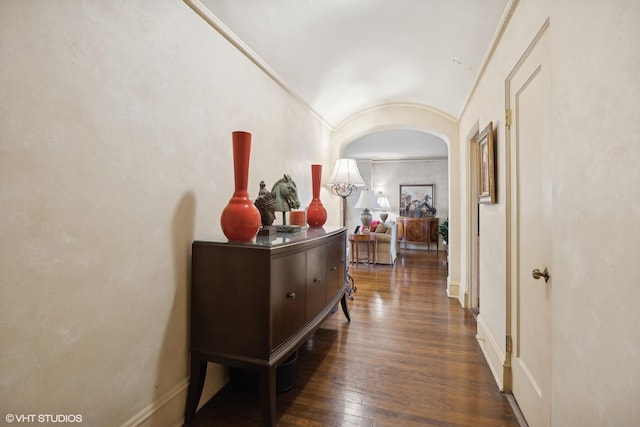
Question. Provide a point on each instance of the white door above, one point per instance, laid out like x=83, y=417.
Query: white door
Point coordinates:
x=528, y=90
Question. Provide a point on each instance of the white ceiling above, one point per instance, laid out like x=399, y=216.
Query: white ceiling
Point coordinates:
x=341, y=57
x=397, y=144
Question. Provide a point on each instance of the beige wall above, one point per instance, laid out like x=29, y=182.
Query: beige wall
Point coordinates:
x=115, y=136
x=390, y=174
x=596, y=129
x=596, y=212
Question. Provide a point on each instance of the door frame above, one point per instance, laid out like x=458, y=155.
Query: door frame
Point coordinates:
x=510, y=215
x=472, y=218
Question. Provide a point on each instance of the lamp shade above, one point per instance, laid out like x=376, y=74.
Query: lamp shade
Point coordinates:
x=346, y=172
x=367, y=200
x=384, y=203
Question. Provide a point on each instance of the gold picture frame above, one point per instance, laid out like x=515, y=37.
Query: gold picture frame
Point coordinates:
x=486, y=166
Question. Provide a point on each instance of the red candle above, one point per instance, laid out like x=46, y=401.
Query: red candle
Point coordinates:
x=297, y=217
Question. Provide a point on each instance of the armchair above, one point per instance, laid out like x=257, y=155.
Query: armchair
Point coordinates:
x=386, y=243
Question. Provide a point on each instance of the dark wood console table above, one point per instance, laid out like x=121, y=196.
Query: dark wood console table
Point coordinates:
x=418, y=230
x=254, y=304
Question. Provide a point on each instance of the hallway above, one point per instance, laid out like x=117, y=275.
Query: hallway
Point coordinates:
x=408, y=358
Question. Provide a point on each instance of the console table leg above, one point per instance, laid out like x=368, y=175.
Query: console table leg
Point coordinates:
x=268, y=395
x=345, y=309
x=351, y=285
x=196, y=383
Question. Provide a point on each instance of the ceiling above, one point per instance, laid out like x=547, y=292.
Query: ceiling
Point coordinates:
x=341, y=57
x=396, y=144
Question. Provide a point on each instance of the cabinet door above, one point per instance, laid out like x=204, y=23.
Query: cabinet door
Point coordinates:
x=316, y=280
x=336, y=264
x=417, y=231
x=287, y=296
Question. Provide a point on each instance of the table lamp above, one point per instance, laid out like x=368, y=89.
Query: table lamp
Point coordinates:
x=367, y=201
x=384, y=205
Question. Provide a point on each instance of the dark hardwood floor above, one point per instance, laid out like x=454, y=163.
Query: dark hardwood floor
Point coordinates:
x=408, y=358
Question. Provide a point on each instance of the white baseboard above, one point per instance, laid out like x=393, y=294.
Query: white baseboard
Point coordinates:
x=491, y=350
x=170, y=407
x=167, y=407
x=465, y=300
x=453, y=288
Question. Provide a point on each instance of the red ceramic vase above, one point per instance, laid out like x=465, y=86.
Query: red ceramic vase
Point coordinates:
x=316, y=213
x=240, y=219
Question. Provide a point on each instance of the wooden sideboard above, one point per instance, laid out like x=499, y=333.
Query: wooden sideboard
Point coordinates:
x=254, y=304
x=418, y=230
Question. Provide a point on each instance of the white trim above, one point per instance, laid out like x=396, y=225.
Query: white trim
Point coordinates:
x=497, y=36
x=464, y=299
x=225, y=32
x=453, y=288
x=471, y=213
x=177, y=394
x=491, y=351
x=398, y=105
x=410, y=160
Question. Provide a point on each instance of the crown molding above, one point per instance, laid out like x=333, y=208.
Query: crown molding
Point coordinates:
x=232, y=38
x=497, y=36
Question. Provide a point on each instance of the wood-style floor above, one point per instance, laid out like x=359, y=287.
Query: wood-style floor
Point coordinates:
x=408, y=358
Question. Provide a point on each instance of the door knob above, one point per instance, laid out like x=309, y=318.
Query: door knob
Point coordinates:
x=537, y=274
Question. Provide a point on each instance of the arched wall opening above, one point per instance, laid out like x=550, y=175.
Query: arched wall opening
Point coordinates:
x=419, y=118
x=389, y=159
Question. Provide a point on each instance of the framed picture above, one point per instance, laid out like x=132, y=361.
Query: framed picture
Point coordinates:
x=417, y=200
x=486, y=166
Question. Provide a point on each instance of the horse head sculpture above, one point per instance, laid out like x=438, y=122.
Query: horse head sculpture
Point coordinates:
x=286, y=193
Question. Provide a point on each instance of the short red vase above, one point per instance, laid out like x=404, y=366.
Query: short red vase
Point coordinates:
x=316, y=213
x=240, y=219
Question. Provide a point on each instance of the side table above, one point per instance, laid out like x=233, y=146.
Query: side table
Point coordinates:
x=370, y=240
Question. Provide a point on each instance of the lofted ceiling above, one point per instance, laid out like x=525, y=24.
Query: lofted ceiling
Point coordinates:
x=342, y=57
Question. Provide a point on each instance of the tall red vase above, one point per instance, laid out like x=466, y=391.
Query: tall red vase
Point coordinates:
x=240, y=219
x=316, y=213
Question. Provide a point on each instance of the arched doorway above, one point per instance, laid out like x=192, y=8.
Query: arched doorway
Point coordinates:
x=425, y=119
x=390, y=158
